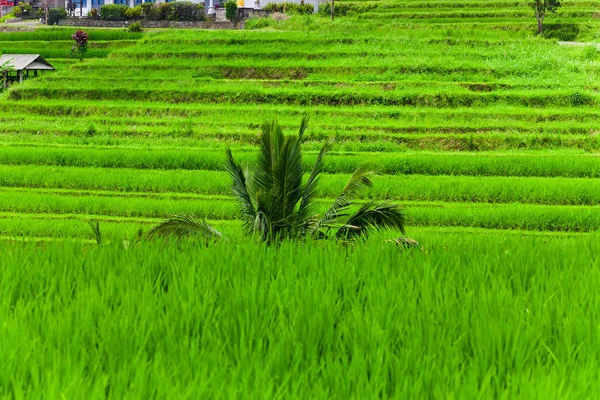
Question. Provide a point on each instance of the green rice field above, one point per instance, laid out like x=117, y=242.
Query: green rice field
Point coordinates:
x=486, y=133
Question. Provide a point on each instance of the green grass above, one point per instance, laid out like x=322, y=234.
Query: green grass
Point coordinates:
x=485, y=133
x=490, y=316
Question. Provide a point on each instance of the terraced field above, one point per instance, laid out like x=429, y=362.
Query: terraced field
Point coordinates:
x=473, y=121
x=484, y=131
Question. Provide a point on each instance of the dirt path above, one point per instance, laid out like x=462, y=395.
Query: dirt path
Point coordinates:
x=578, y=44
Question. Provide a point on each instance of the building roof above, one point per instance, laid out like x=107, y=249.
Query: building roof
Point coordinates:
x=21, y=62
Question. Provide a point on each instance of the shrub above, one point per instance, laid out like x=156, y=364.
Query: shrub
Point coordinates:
x=563, y=32
x=186, y=11
x=6, y=17
x=113, y=12
x=135, y=27
x=150, y=11
x=290, y=8
x=81, y=43
x=23, y=11
x=55, y=15
x=94, y=14
x=91, y=130
x=134, y=13
x=231, y=10
x=164, y=11
x=341, y=9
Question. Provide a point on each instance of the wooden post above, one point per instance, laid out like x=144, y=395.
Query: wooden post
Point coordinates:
x=20, y=76
x=332, y=9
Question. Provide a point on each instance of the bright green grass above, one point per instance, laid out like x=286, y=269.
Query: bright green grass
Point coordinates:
x=552, y=191
x=466, y=316
x=486, y=134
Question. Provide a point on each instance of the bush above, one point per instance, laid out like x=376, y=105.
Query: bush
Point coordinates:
x=562, y=32
x=81, y=42
x=231, y=10
x=23, y=11
x=113, y=12
x=6, y=17
x=150, y=11
x=135, y=27
x=55, y=15
x=186, y=11
x=134, y=13
x=94, y=14
x=290, y=8
x=341, y=9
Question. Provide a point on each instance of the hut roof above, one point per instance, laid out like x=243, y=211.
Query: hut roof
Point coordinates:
x=20, y=62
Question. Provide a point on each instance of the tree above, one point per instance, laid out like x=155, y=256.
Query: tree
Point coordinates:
x=274, y=204
x=231, y=9
x=543, y=7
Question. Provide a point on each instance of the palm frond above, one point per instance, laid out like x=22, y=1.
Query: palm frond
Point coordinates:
x=303, y=127
x=180, y=226
x=359, y=181
x=95, y=226
x=287, y=185
x=309, y=193
x=403, y=242
x=240, y=190
x=372, y=217
x=261, y=227
x=271, y=141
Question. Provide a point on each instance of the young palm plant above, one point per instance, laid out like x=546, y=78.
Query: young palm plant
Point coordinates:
x=275, y=204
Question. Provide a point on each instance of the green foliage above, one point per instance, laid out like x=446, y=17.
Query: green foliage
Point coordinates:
x=175, y=11
x=231, y=10
x=134, y=13
x=150, y=11
x=259, y=22
x=24, y=11
x=57, y=35
x=135, y=27
x=186, y=11
x=182, y=226
x=293, y=8
x=164, y=11
x=488, y=289
x=91, y=130
x=562, y=32
x=542, y=8
x=95, y=227
x=55, y=15
x=113, y=12
x=591, y=52
x=6, y=17
x=341, y=9
x=275, y=205
x=94, y=14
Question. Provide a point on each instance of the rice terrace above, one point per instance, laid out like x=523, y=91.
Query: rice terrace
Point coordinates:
x=399, y=202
